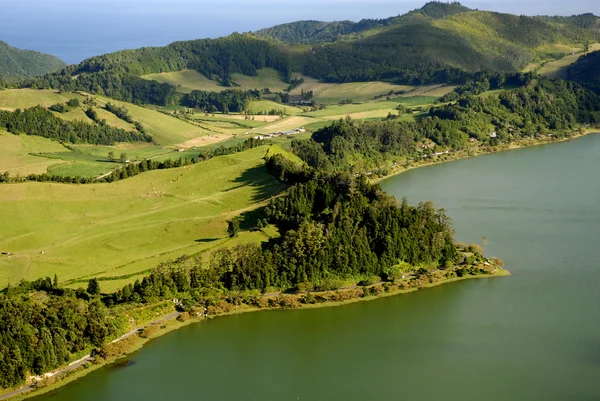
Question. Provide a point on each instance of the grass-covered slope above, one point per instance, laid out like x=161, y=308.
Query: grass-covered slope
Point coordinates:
x=314, y=32
x=439, y=43
x=128, y=226
x=26, y=63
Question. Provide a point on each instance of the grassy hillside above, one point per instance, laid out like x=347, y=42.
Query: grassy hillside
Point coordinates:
x=128, y=226
x=438, y=43
x=26, y=63
x=17, y=153
x=314, y=32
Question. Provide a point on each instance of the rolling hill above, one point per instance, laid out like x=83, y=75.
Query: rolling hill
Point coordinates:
x=26, y=63
x=438, y=43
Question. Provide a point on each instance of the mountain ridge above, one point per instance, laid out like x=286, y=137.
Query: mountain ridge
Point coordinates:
x=438, y=43
x=15, y=62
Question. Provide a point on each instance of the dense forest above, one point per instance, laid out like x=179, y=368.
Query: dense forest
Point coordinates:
x=333, y=227
x=44, y=327
x=117, y=75
x=25, y=63
x=586, y=71
x=539, y=106
x=39, y=121
x=231, y=100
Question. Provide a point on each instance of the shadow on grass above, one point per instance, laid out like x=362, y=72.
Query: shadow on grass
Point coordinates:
x=206, y=240
x=263, y=184
x=249, y=220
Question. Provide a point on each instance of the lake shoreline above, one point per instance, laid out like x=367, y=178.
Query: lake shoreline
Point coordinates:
x=174, y=324
x=465, y=154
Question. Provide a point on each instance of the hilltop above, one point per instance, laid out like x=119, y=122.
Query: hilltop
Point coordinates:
x=438, y=43
x=27, y=63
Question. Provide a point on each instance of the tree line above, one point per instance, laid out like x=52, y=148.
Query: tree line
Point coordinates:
x=41, y=122
x=231, y=100
x=586, y=71
x=44, y=327
x=539, y=107
x=333, y=227
x=132, y=169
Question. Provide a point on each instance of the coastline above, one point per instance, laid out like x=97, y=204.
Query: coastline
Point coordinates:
x=169, y=323
x=467, y=154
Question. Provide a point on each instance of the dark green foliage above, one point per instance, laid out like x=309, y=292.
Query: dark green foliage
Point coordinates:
x=233, y=228
x=93, y=287
x=41, y=122
x=249, y=143
x=120, y=112
x=586, y=71
x=26, y=63
x=120, y=86
x=434, y=44
x=314, y=32
x=539, y=106
x=59, y=108
x=73, y=102
x=230, y=100
x=44, y=327
x=333, y=227
x=587, y=21
x=116, y=75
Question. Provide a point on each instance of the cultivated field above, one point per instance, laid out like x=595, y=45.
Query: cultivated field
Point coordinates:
x=11, y=99
x=76, y=231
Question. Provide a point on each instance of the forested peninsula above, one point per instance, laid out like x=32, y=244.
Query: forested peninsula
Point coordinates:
x=335, y=228
x=339, y=237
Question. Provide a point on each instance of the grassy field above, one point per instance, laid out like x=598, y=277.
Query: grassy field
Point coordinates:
x=76, y=231
x=325, y=93
x=286, y=124
x=329, y=93
x=189, y=80
x=16, y=153
x=11, y=99
x=265, y=106
x=265, y=78
x=186, y=81
x=334, y=112
x=557, y=69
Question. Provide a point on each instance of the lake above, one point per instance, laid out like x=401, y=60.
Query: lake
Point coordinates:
x=532, y=336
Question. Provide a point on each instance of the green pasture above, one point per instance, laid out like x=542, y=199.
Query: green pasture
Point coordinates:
x=17, y=154
x=77, y=231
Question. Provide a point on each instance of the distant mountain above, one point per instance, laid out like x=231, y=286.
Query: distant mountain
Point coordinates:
x=315, y=32
x=586, y=71
x=438, y=43
x=26, y=63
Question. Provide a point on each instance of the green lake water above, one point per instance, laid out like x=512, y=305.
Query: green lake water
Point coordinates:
x=532, y=336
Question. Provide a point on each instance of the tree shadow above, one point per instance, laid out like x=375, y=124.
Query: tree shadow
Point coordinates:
x=249, y=220
x=206, y=240
x=264, y=185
